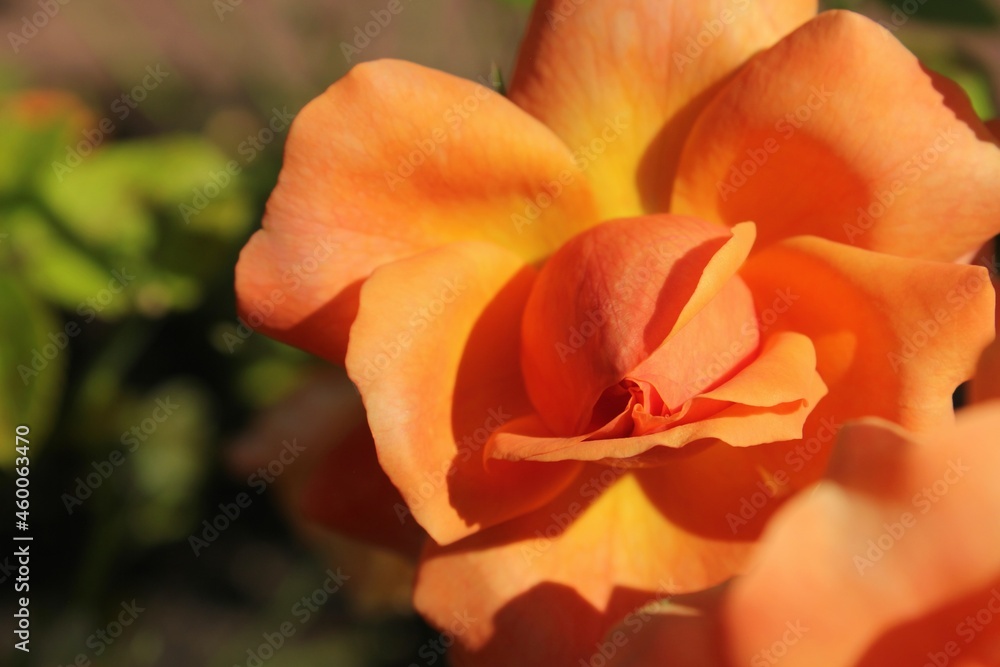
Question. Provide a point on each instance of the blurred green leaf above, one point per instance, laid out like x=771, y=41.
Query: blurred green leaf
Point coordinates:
x=57, y=267
x=963, y=12
x=138, y=208
x=166, y=435
x=33, y=358
x=36, y=128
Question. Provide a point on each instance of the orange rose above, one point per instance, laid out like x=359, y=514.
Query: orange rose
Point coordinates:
x=894, y=559
x=604, y=327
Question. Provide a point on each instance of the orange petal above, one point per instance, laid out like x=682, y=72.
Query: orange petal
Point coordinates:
x=392, y=160
x=895, y=552
x=545, y=588
x=766, y=402
x=894, y=337
x=631, y=285
x=622, y=82
x=838, y=131
x=434, y=351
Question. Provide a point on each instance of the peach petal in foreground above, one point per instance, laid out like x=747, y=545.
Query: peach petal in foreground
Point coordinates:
x=899, y=535
x=887, y=562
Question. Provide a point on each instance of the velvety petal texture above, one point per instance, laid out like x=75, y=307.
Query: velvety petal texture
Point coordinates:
x=609, y=298
x=622, y=82
x=392, y=160
x=818, y=135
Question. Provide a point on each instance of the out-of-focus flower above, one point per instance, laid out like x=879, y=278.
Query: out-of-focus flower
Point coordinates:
x=892, y=560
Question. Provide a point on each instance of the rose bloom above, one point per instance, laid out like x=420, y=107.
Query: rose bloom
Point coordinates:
x=605, y=326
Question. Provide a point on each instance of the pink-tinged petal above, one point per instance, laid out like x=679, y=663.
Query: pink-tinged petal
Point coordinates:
x=896, y=552
x=766, y=402
x=894, y=337
x=392, y=160
x=622, y=82
x=545, y=588
x=818, y=136
x=612, y=296
x=434, y=351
